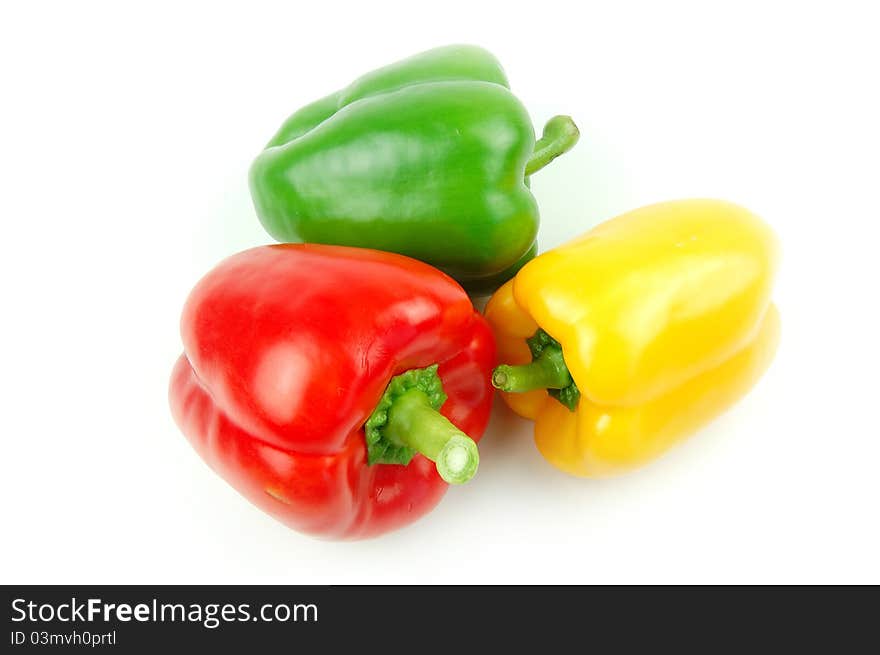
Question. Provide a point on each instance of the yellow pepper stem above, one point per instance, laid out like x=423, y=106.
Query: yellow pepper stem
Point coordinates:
x=547, y=371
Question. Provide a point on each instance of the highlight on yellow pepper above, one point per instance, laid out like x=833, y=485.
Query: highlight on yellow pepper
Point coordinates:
x=628, y=339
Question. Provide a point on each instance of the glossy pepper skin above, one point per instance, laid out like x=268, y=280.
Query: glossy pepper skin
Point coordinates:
x=427, y=157
x=654, y=323
x=288, y=351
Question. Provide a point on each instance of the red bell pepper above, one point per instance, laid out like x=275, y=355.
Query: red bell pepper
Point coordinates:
x=322, y=381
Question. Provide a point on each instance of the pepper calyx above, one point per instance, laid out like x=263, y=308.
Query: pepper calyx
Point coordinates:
x=382, y=450
x=547, y=370
x=538, y=343
x=407, y=421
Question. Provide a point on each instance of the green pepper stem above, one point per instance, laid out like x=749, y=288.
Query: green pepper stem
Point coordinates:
x=414, y=423
x=548, y=371
x=560, y=135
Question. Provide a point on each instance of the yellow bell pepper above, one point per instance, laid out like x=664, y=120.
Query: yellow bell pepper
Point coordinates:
x=626, y=340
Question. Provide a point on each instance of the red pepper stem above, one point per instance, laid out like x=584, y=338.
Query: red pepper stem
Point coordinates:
x=414, y=423
x=548, y=371
x=560, y=135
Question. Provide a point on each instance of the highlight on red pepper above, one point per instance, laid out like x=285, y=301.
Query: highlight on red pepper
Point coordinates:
x=338, y=389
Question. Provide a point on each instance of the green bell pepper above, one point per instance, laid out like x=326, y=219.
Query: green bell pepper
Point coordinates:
x=428, y=157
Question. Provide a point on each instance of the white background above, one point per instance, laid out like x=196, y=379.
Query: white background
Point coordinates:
x=125, y=138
